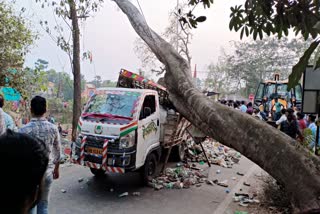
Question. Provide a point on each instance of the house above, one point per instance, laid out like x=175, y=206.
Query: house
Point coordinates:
x=89, y=90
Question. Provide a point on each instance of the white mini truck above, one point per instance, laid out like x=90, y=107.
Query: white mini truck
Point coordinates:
x=125, y=129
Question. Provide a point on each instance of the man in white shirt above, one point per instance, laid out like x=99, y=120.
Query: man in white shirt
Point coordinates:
x=8, y=121
x=283, y=117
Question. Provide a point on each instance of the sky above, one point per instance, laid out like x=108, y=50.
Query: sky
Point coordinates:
x=110, y=37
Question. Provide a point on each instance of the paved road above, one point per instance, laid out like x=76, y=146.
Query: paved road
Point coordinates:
x=94, y=196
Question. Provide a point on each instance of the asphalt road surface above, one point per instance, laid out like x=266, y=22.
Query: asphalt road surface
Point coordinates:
x=93, y=195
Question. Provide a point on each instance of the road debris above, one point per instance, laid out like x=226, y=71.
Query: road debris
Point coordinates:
x=80, y=180
x=246, y=184
x=191, y=173
x=222, y=184
x=125, y=194
x=239, y=173
x=136, y=194
x=240, y=212
x=244, y=199
x=209, y=182
x=63, y=190
x=217, y=153
x=183, y=176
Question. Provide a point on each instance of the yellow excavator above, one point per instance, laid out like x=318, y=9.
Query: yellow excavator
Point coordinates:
x=269, y=90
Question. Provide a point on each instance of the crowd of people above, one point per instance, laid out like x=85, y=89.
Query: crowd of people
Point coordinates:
x=32, y=156
x=290, y=121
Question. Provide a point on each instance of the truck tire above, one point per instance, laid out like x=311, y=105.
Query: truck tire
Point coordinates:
x=178, y=152
x=97, y=172
x=149, y=169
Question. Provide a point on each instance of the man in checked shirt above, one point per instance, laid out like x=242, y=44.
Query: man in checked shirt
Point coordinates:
x=41, y=129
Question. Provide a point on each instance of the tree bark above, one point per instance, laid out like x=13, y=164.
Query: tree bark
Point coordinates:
x=279, y=155
x=76, y=68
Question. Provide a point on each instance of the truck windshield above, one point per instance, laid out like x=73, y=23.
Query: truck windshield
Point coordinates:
x=115, y=103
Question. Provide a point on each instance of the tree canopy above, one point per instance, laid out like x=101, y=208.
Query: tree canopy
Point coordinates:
x=249, y=62
x=16, y=39
x=256, y=18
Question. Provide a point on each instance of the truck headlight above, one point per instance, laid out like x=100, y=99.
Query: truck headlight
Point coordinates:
x=127, y=141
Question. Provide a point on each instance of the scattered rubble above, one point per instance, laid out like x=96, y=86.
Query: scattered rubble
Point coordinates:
x=244, y=199
x=136, y=194
x=239, y=173
x=182, y=176
x=246, y=184
x=217, y=153
x=190, y=174
x=240, y=212
x=123, y=195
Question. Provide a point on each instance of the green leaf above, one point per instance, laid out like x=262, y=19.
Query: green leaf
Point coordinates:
x=231, y=24
x=247, y=31
x=300, y=67
x=255, y=34
x=201, y=19
x=260, y=34
x=241, y=33
x=317, y=26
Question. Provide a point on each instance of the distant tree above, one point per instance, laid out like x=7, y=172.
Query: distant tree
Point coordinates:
x=252, y=61
x=108, y=83
x=217, y=79
x=63, y=84
x=97, y=81
x=258, y=18
x=16, y=39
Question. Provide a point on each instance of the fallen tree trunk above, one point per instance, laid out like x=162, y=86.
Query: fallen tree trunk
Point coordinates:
x=279, y=155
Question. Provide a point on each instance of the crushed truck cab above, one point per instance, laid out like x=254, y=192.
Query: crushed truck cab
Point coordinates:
x=113, y=121
x=126, y=128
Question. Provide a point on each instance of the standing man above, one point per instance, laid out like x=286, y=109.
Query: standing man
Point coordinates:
x=9, y=123
x=313, y=127
x=40, y=128
x=243, y=107
x=2, y=121
x=278, y=106
x=283, y=117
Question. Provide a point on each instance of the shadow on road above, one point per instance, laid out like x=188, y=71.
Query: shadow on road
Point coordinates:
x=115, y=183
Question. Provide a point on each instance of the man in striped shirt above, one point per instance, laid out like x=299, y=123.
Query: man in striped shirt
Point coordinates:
x=47, y=132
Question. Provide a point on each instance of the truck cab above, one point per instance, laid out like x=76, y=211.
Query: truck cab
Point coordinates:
x=117, y=131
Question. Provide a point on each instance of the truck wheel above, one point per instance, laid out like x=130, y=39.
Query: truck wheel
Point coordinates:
x=178, y=152
x=149, y=170
x=97, y=172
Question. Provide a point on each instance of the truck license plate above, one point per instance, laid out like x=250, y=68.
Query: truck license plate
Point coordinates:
x=93, y=150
